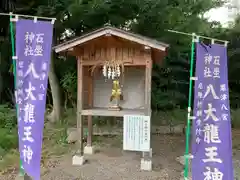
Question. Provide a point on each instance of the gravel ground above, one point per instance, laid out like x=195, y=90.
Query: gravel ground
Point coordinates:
x=102, y=167
x=115, y=164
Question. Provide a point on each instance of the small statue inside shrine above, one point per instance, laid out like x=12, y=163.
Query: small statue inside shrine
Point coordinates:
x=116, y=96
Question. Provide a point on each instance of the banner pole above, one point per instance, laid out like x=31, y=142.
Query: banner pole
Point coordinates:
x=21, y=172
x=186, y=168
x=27, y=16
x=197, y=35
x=194, y=37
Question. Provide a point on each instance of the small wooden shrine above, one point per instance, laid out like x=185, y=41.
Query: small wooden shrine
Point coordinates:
x=114, y=74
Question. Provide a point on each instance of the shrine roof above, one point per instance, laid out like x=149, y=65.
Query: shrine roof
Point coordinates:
x=108, y=30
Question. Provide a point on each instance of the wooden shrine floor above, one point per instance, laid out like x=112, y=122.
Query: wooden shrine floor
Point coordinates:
x=106, y=112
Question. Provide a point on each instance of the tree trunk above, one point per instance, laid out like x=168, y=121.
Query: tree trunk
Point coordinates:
x=1, y=81
x=1, y=87
x=55, y=115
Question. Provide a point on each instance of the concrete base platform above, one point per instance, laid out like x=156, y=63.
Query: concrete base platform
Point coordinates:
x=146, y=165
x=89, y=150
x=78, y=160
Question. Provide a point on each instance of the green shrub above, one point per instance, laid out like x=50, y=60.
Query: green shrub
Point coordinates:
x=235, y=118
x=171, y=117
x=8, y=117
x=8, y=129
x=8, y=139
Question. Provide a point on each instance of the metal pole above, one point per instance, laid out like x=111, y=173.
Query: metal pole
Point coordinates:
x=186, y=168
x=21, y=171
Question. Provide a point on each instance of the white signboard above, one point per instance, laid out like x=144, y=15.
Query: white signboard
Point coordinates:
x=136, y=133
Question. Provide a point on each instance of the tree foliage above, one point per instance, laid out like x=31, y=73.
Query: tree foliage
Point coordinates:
x=148, y=17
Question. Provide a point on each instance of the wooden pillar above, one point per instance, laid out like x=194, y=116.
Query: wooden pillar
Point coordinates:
x=90, y=103
x=149, y=65
x=148, y=85
x=80, y=105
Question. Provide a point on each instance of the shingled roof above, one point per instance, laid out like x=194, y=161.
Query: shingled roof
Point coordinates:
x=152, y=43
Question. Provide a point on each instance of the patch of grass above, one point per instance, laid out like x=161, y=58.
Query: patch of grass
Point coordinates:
x=8, y=139
x=117, y=141
x=69, y=118
x=54, y=145
x=179, y=116
x=112, y=141
x=8, y=130
x=235, y=118
x=55, y=139
x=174, y=117
x=8, y=118
x=11, y=159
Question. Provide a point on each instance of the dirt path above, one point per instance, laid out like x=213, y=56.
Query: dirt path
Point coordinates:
x=111, y=163
x=114, y=164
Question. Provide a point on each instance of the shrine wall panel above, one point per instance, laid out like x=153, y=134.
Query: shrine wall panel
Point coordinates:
x=133, y=89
